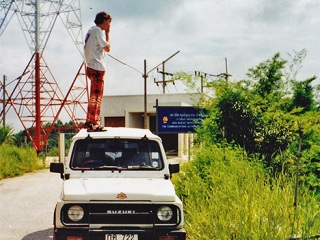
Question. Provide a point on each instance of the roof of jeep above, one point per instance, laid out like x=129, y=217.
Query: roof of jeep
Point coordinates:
x=118, y=132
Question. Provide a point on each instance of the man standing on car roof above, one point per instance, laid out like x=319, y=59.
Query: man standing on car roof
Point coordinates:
x=96, y=43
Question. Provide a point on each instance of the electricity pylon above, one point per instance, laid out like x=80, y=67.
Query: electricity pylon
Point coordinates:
x=36, y=97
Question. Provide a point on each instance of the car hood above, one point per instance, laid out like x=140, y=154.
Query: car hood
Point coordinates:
x=125, y=189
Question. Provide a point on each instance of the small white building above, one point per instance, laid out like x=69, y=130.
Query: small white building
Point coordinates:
x=128, y=111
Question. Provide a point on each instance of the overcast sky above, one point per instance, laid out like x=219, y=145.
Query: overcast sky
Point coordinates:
x=246, y=32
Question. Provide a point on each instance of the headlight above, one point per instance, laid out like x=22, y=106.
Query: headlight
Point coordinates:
x=164, y=213
x=75, y=213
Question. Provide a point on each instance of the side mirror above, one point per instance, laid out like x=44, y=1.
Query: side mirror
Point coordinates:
x=174, y=168
x=57, y=168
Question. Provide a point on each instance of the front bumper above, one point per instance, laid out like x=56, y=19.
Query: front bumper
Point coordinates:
x=100, y=234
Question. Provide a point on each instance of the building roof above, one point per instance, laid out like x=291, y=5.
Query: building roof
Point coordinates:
x=118, y=105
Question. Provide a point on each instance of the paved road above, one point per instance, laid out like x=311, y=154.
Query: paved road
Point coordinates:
x=27, y=204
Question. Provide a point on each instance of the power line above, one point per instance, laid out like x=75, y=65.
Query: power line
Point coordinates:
x=203, y=75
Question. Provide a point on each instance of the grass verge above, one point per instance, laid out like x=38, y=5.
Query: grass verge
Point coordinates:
x=228, y=197
x=16, y=161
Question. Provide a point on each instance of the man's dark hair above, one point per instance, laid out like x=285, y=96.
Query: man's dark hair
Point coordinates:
x=101, y=16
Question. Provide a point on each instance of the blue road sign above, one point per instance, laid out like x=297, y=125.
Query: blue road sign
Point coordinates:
x=179, y=119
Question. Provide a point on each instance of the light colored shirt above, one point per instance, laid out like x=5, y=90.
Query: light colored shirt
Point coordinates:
x=95, y=41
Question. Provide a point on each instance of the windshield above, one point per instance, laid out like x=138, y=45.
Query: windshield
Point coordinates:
x=113, y=154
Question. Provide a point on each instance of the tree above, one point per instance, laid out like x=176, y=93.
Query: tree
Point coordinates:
x=303, y=96
x=6, y=135
x=235, y=118
x=53, y=138
x=269, y=76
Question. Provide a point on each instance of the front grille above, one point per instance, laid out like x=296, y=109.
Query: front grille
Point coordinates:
x=119, y=214
x=100, y=213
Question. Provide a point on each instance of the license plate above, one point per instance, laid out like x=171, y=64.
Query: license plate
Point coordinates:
x=124, y=236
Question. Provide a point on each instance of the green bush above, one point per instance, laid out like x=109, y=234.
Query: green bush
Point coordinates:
x=6, y=135
x=261, y=114
x=227, y=197
x=16, y=161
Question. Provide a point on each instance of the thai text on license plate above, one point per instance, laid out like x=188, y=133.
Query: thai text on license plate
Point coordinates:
x=124, y=236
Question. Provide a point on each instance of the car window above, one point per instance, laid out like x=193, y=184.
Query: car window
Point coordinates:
x=125, y=154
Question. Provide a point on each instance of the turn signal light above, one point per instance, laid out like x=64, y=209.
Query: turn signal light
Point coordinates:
x=74, y=238
x=167, y=238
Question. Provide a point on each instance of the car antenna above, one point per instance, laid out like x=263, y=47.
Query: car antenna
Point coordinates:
x=88, y=137
x=144, y=137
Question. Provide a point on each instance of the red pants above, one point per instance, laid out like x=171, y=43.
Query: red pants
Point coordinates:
x=96, y=94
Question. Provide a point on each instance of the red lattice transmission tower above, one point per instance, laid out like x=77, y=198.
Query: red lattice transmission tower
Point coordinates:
x=36, y=97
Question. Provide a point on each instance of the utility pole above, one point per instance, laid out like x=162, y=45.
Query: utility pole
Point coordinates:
x=226, y=61
x=4, y=101
x=163, y=78
x=202, y=75
x=164, y=73
x=145, y=115
x=300, y=131
x=227, y=75
x=163, y=81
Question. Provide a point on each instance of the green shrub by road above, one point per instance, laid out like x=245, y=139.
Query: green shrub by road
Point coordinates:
x=228, y=196
x=15, y=161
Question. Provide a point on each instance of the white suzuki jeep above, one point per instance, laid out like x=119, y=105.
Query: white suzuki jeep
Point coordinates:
x=116, y=186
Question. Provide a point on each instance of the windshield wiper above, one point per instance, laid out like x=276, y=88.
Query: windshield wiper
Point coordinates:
x=108, y=167
x=140, y=167
x=120, y=168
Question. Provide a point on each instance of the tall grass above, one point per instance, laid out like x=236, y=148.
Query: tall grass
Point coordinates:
x=16, y=161
x=232, y=198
